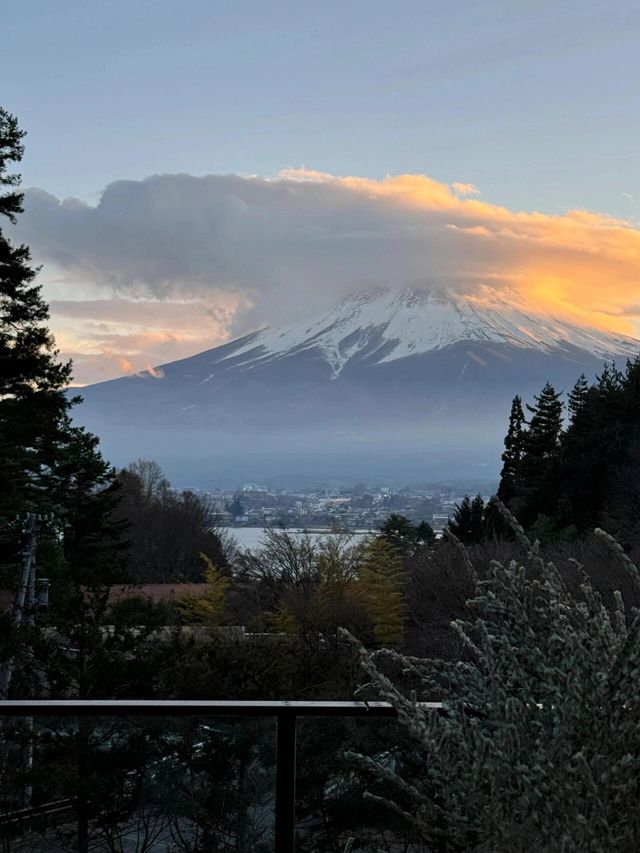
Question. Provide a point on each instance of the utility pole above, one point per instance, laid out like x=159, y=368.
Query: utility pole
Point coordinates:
x=25, y=594
x=24, y=603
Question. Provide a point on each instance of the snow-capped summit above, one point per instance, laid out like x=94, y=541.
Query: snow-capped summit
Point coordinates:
x=395, y=385
x=388, y=325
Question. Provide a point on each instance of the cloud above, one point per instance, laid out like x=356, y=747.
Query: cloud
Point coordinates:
x=106, y=337
x=143, y=312
x=205, y=258
x=465, y=189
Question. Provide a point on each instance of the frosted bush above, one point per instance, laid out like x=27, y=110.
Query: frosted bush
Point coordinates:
x=538, y=747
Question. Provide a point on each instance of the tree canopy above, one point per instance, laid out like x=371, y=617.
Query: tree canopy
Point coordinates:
x=561, y=478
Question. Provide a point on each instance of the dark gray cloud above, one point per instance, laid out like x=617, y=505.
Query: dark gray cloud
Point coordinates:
x=285, y=243
x=300, y=241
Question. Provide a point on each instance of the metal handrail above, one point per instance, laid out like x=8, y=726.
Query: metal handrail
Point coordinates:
x=30, y=812
x=196, y=707
x=285, y=712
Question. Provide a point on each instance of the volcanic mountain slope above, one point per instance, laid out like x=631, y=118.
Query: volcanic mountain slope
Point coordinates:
x=420, y=368
x=382, y=327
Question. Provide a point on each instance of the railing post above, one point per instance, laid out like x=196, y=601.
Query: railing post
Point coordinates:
x=285, y=783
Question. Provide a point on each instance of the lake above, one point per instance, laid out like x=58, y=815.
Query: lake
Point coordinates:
x=252, y=538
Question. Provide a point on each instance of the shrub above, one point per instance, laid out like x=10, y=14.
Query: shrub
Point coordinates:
x=538, y=744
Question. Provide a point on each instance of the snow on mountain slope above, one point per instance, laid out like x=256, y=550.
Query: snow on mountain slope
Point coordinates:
x=391, y=325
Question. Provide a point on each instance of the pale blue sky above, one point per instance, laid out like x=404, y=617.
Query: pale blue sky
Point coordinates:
x=535, y=102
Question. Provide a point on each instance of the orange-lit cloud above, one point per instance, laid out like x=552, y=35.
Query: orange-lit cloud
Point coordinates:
x=164, y=267
x=580, y=264
x=109, y=337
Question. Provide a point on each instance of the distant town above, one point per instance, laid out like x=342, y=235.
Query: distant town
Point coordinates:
x=360, y=507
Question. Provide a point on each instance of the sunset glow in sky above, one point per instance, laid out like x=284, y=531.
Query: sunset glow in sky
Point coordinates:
x=487, y=148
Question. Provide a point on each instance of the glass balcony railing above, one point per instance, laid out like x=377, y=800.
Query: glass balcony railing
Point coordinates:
x=141, y=776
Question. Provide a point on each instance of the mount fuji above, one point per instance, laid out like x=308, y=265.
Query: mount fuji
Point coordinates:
x=397, y=386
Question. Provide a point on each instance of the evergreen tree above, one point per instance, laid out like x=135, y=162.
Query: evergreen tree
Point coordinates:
x=467, y=523
x=47, y=465
x=45, y=462
x=593, y=453
x=631, y=390
x=84, y=494
x=578, y=397
x=406, y=536
x=381, y=584
x=460, y=524
x=477, y=519
x=619, y=451
x=540, y=458
x=32, y=380
x=545, y=426
x=610, y=381
x=425, y=534
x=512, y=457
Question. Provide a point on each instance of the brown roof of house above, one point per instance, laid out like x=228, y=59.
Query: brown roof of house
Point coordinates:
x=157, y=591
x=152, y=591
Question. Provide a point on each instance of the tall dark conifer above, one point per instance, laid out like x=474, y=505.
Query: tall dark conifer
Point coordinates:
x=47, y=465
x=545, y=427
x=578, y=398
x=540, y=458
x=468, y=520
x=610, y=381
x=632, y=381
x=460, y=525
x=596, y=472
x=512, y=457
x=32, y=380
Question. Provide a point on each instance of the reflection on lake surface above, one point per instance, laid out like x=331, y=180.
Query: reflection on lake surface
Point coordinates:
x=252, y=538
